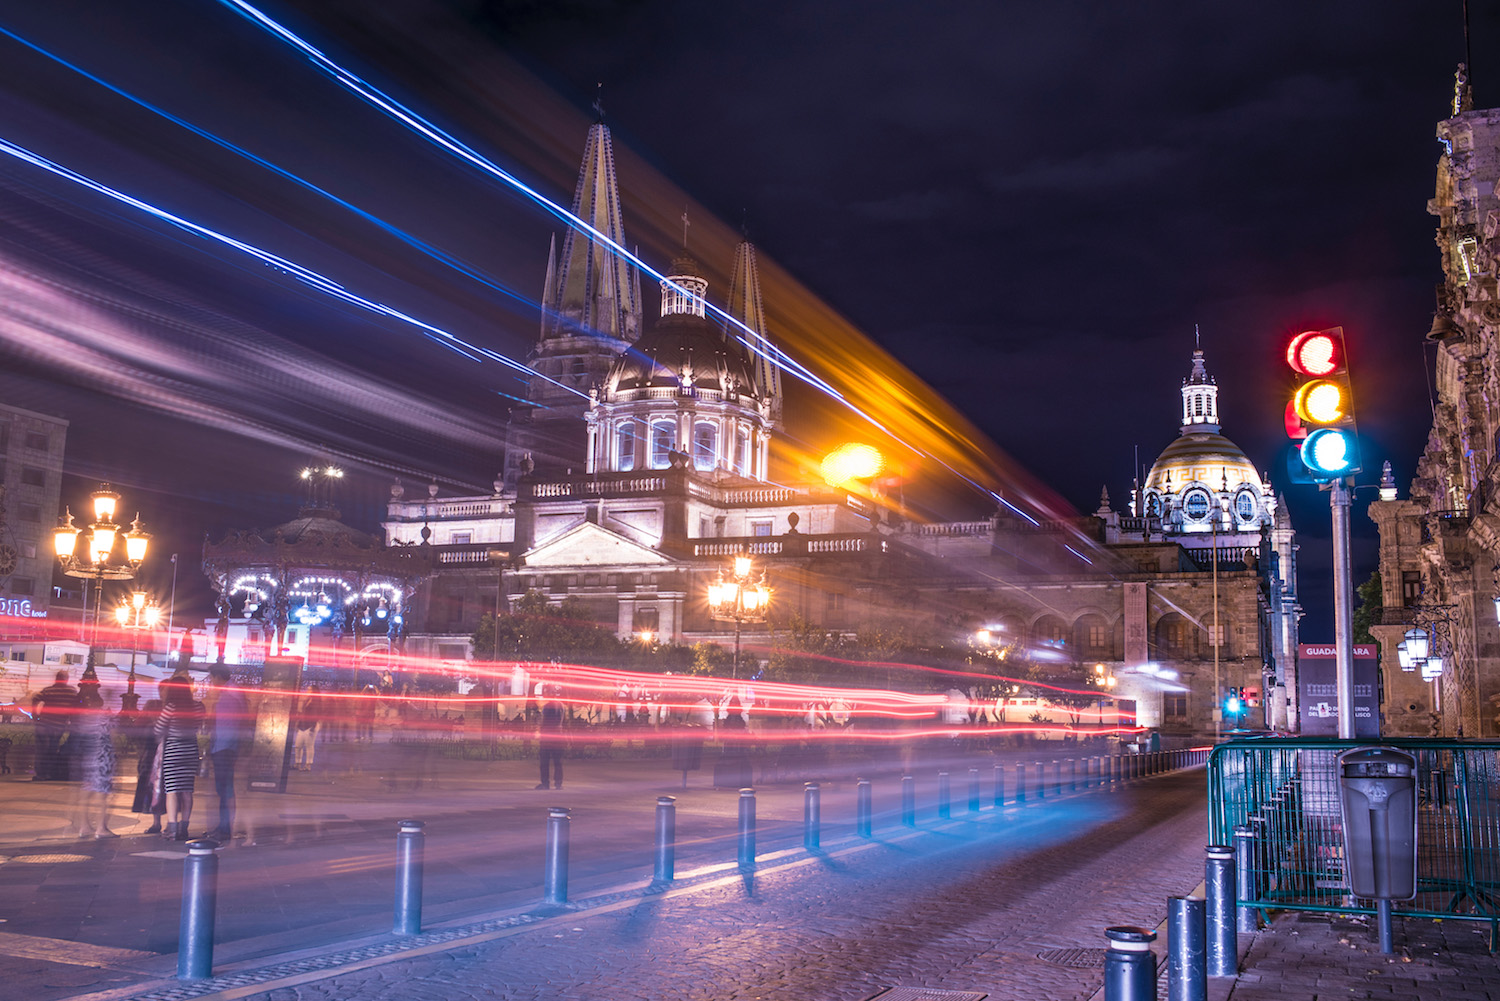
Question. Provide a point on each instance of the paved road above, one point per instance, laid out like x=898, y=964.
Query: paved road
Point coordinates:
x=974, y=898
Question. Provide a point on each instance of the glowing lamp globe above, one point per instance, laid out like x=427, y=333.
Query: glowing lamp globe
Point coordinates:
x=851, y=463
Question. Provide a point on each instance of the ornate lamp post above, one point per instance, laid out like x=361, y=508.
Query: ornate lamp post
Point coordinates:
x=96, y=564
x=140, y=612
x=742, y=596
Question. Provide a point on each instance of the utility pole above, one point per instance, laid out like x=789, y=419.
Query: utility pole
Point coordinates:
x=1343, y=605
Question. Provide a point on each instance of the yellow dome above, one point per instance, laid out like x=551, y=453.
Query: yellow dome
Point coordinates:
x=1204, y=457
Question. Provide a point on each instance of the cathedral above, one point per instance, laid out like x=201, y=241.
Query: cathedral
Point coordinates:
x=638, y=469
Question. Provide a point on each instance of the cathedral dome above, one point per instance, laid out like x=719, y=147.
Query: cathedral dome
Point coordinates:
x=683, y=353
x=1205, y=457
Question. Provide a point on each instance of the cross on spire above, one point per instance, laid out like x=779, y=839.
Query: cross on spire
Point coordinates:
x=685, y=225
x=599, y=102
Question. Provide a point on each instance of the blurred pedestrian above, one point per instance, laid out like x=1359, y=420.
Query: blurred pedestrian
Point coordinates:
x=364, y=714
x=149, y=797
x=309, y=715
x=52, y=709
x=230, y=729
x=93, y=748
x=551, y=741
x=178, y=725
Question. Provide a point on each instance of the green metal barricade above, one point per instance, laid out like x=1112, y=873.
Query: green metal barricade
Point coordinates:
x=1286, y=791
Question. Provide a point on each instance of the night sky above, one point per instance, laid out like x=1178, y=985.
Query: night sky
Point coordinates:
x=1029, y=206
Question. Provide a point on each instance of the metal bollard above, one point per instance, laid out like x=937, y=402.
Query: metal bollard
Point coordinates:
x=812, y=815
x=1056, y=777
x=1187, y=974
x=1020, y=782
x=1072, y=775
x=555, y=871
x=1129, y=966
x=973, y=790
x=999, y=786
x=1244, y=866
x=1041, y=781
x=666, y=839
x=1218, y=887
x=943, y=808
x=410, y=843
x=862, y=808
x=747, y=829
x=200, y=892
x=908, y=801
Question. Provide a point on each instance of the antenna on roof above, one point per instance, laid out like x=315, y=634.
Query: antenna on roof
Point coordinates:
x=685, y=225
x=599, y=102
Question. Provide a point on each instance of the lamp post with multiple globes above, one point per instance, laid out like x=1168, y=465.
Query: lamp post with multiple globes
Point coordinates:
x=742, y=596
x=140, y=612
x=97, y=562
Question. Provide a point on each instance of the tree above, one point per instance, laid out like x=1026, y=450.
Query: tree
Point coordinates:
x=1371, y=604
x=536, y=629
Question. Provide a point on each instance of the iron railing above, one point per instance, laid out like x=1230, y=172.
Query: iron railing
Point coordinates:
x=1286, y=791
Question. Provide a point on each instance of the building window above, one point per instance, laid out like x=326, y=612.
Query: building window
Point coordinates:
x=23, y=587
x=32, y=477
x=760, y=528
x=1244, y=506
x=647, y=619
x=1195, y=504
x=38, y=440
x=28, y=512
x=1216, y=635
x=1175, y=705
x=661, y=444
x=744, y=451
x=28, y=549
x=1411, y=587
x=625, y=447
x=1097, y=637
x=705, y=527
x=461, y=538
x=705, y=446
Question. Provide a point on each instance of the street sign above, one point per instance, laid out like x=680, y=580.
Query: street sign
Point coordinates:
x=1317, y=684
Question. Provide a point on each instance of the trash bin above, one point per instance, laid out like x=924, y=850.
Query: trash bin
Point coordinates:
x=1378, y=805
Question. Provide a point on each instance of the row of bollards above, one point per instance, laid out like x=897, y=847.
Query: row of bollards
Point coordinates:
x=1202, y=941
x=200, y=875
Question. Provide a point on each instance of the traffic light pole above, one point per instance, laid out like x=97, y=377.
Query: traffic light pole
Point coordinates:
x=1343, y=605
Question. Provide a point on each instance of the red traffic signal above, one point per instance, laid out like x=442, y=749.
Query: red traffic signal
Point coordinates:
x=1316, y=353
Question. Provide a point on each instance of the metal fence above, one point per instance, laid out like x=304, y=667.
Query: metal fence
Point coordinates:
x=1286, y=792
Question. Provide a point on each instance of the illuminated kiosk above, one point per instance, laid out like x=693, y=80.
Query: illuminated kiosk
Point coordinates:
x=316, y=590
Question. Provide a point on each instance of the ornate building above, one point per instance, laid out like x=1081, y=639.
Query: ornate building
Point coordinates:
x=1440, y=547
x=1188, y=594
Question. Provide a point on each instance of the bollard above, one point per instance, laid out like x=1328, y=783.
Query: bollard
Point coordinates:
x=1244, y=865
x=999, y=786
x=908, y=801
x=812, y=815
x=1041, y=781
x=747, y=829
x=1072, y=775
x=409, y=850
x=555, y=872
x=1020, y=782
x=1056, y=777
x=1218, y=887
x=666, y=839
x=200, y=892
x=943, y=809
x=1129, y=966
x=862, y=808
x=1187, y=974
x=973, y=790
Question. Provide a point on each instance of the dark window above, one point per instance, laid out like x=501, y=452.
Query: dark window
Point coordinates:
x=1411, y=587
x=1175, y=705
x=462, y=538
x=37, y=440
x=647, y=619
x=28, y=512
x=661, y=444
x=33, y=477
x=22, y=586
x=760, y=528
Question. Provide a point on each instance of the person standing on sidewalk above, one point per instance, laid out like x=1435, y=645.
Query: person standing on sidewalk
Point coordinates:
x=309, y=715
x=93, y=732
x=53, y=708
x=178, y=725
x=551, y=741
x=230, y=728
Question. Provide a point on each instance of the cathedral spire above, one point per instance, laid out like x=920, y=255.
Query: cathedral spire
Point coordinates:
x=593, y=293
x=1200, y=396
x=745, y=305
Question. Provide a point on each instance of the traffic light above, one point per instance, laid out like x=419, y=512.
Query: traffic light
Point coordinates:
x=1234, y=703
x=1321, y=411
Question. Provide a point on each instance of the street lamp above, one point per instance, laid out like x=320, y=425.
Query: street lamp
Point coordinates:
x=140, y=612
x=742, y=596
x=99, y=547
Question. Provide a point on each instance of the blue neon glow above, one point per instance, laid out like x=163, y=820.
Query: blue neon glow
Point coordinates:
x=1331, y=452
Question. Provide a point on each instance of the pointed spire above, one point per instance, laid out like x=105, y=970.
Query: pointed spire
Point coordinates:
x=1200, y=396
x=549, y=286
x=746, y=306
x=592, y=290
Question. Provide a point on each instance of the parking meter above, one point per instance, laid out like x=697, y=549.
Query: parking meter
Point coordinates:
x=1378, y=802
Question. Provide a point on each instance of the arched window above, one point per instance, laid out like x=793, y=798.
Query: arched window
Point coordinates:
x=1244, y=506
x=1051, y=631
x=625, y=446
x=705, y=442
x=1176, y=637
x=1196, y=504
x=661, y=444
x=1198, y=405
x=745, y=438
x=1094, y=639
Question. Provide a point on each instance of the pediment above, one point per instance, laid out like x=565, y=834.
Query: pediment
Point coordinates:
x=589, y=545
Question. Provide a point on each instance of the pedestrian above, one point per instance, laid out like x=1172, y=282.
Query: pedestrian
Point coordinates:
x=93, y=746
x=149, y=798
x=177, y=727
x=230, y=729
x=309, y=715
x=551, y=742
x=364, y=714
x=53, y=708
